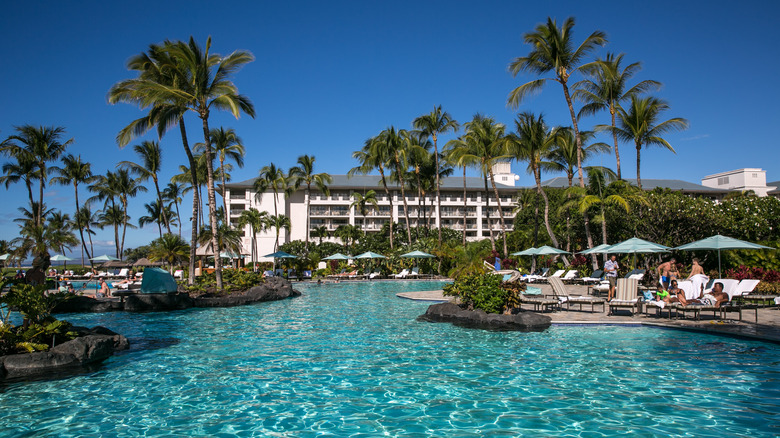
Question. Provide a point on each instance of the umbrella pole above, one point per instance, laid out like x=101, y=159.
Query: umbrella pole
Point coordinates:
x=719, y=270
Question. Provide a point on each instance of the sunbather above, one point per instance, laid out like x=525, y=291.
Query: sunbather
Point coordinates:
x=716, y=297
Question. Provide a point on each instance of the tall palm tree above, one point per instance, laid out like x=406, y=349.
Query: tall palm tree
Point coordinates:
x=21, y=169
x=605, y=89
x=227, y=145
x=74, y=171
x=114, y=216
x=279, y=222
x=273, y=178
x=155, y=213
x=88, y=221
x=206, y=87
x=456, y=155
x=61, y=228
x=185, y=177
x=532, y=143
x=418, y=153
x=258, y=222
x=552, y=50
x=173, y=193
x=303, y=173
x=40, y=145
x=394, y=145
x=363, y=203
x=640, y=124
x=374, y=155
x=348, y=234
x=150, y=154
x=483, y=146
x=432, y=124
x=126, y=187
x=156, y=71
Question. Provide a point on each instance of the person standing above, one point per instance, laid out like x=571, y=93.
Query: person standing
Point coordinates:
x=611, y=267
x=667, y=271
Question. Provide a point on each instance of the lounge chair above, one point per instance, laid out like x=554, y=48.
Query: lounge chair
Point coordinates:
x=123, y=273
x=625, y=295
x=339, y=275
x=402, y=274
x=307, y=275
x=560, y=292
x=557, y=274
x=540, y=275
x=375, y=274
x=291, y=274
x=539, y=302
x=415, y=272
x=268, y=273
x=571, y=276
x=595, y=277
x=178, y=274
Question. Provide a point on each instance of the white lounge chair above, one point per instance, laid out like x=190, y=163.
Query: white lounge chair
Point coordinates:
x=558, y=273
x=560, y=292
x=571, y=275
x=124, y=273
x=374, y=275
x=415, y=272
x=402, y=274
x=743, y=288
x=178, y=274
x=595, y=277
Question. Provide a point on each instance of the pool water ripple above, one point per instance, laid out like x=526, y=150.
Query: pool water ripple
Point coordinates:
x=351, y=359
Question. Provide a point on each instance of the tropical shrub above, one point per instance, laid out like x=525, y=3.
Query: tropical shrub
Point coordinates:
x=756, y=273
x=484, y=291
x=39, y=330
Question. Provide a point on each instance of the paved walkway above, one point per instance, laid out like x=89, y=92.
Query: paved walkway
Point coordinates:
x=767, y=328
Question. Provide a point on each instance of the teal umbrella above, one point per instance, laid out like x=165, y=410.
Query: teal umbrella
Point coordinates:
x=549, y=250
x=60, y=258
x=370, y=255
x=337, y=256
x=230, y=255
x=417, y=255
x=526, y=252
x=281, y=255
x=718, y=242
x=104, y=258
x=4, y=257
x=636, y=245
x=600, y=249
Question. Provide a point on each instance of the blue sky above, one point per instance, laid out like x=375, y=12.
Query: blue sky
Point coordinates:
x=328, y=75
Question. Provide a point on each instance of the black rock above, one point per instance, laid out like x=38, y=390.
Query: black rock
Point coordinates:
x=272, y=290
x=79, y=304
x=157, y=302
x=450, y=312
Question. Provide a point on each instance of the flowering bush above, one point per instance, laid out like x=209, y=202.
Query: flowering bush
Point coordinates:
x=755, y=273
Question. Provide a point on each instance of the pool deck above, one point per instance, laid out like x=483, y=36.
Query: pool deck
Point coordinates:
x=767, y=328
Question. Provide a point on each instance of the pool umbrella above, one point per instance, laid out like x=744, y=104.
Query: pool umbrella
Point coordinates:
x=280, y=255
x=370, y=255
x=549, y=250
x=104, y=258
x=718, y=242
x=230, y=255
x=337, y=256
x=636, y=245
x=60, y=258
x=526, y=252
x=417, y=255
x=4, y=257
x=600, y=249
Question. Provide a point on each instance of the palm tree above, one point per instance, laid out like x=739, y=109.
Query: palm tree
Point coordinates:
x=22, y=169
x=532, y=143
x=393, y=144
x=364, y=203
x=88, y=221
x=482, y=146
x=258, y=222
x=155, y=215
x=227, y=146
x=374, y=155
x=640, y=124
x=125, y=188
x=151, y=159
x=37, y=144
x=348, y=234
x=552, y=52
x=456, y=155
x=418, y=153
x=74, y=171
x=169, y=248
x=606, y=89
x=173, y=193
x=185, y=177
x=61, y=228
x=279, y=222
x=303, y=173
x=114, y=216
x=432, y=124
x=156, y=70
x=228, y=238
x=321, y=232
x=271, y=177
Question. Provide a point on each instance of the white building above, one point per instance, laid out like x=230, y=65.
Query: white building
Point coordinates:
x=739, y=180
x=335, y=210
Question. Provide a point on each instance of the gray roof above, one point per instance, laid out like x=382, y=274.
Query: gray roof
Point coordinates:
x=375, y=182
x=649, y=184
x=776, y=190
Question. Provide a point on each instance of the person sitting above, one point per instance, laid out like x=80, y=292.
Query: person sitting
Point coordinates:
x=715, y=298
x=71, y=289
x=104, y=291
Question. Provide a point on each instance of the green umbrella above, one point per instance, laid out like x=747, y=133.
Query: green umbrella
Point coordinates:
x=600, y=249
x=4, y=257
x=370, y=255
x=718, y=242
x=60, y=258
x=417, y=255
x=337, y=256
x=526, y=252
x=549, y=250
x=636, y=245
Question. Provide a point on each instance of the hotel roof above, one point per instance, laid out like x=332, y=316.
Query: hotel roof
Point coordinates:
x=649, y=184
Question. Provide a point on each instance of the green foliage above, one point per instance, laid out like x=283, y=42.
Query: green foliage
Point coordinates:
x=40, y=330
x=32, y=301
x=767, y=288
x=233, y=280
x=479, y=291
x=132, y=255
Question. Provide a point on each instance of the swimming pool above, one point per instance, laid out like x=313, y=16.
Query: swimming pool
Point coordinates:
x=351, y=359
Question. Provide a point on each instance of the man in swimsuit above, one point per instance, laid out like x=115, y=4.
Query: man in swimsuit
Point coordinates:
x=666, y=269
x=696, y=269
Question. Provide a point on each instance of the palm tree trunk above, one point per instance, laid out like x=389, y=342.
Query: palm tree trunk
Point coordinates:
x=603, y=226
x=116, y=239
x=419, y=200
x=540, y=190
x=254, y=249
x=162, y=206
x=39, y=216
x=307, y=195
x=195, y=204
x=125, y=220
x=577, y=138
x=390, y=198
x=614, y=137
x=78, y=224
x=589, y=237
x=403, y=196
x=500, y=212
x=212, y=201
x=438, y=187
x=178, y=215
x=465, y=208
x=224, y=189
x=638, y=160
x=487, y=215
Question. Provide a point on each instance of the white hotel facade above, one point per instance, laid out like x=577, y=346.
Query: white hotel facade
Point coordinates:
x=334, y=210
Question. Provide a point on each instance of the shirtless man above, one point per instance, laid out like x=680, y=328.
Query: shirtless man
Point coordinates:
x=716, y=297
x=696, y=269
x=666, y=270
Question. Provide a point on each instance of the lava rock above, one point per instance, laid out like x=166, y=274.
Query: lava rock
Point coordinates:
x=80, y=304
x=451, y=312
x=157, y=302
x=273, y=289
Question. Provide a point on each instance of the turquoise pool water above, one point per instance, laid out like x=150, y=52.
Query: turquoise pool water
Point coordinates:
x=350, y=359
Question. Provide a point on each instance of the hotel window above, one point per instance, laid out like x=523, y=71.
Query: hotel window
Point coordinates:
x=723, y=180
